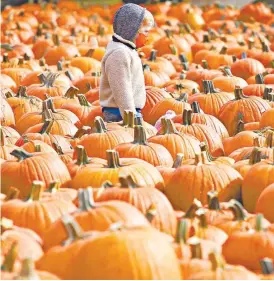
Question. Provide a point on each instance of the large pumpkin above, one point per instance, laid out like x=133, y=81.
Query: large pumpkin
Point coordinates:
x=250, y=108
x=194, y=181
x=264, y=203
x=176, y=142
x=35, y=213
x=93, y=216
x=153, y=153
x=142, y=198
x=96, y=144
x=255, y=181
x=142, y=243
x=30, y=167
x=142, y=173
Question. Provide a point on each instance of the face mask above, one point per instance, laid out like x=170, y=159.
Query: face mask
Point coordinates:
x=141, y=40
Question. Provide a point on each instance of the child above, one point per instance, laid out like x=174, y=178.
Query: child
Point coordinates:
x=122, y=85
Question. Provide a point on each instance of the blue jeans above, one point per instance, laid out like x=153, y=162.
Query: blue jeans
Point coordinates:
x=112, y=115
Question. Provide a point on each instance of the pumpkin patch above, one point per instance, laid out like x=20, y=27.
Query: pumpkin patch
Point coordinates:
x=180, y=189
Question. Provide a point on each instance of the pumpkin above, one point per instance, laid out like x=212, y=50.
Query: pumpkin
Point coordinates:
x=228, y=82
x=222, y=271
x=176, y=142
x=33, y=146
x=96, y=144
x=250, y=108
x=264, y=203
x=160, y=109
x=243, y=166
x=89, y=216
x=22, y=103
x=23, y=238
x=155, y=78
x=255, y=181
x=166, y=44
x=39, y=166
x=153, y=153
x=160, y=64
x=180, y=86
x=45, y=136
x=199, y=117
x=70, y=98
x=239, y=246
x=267, y=119
x=82, y=160
x=57, y=192
x=5, y=148
x=142, y=198
x=211, y=100
x=266, y=269
x=142, y=173
x=86, y=64
x=202, y=133
x=36, y=214
x=81, y=110
x=246, y=68
x=55, y=53
x=227, y=182
x=131, y=240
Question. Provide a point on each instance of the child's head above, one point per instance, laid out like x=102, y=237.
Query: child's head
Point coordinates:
x=132, y=22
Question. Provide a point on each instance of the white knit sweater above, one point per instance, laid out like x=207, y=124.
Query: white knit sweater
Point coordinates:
x=122, y=82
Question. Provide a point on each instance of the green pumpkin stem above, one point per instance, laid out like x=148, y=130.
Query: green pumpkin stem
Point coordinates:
x=59, y=66
x=216, y=261
x=10, y=258
x=56, y=39
x=268, y=94
x=182, y=232
x=213, y=200
x=99, y=125
x=131, y=120
x=54, y=187
x=42, y=78
x=227, y=71
x=28, y=270
x=153, y=55
x=83, y=100
x=201, y=214
x=69, y=75
x=113, y=159
x=22, y=92
x=190, y=213
x=195, y=248
x=20, y=154
x=238, y=92
x=46, y=127
x=139, y=135
x=127, y=182
x=85, y=130
x=51, y=106
x=259, y=222
x=184, y=62
x=223, y=50
x=238, y=210
x=37, y=188
x=37, y=147
x=71, y=92
x=85, y=199
x=255, y=156
x=178, y=160
x=82, y=157
x=13, y=193
x=74, y=231
x=206, y=38
x=267, y=267
x=204, y=64
x=151, y=212
x=269, y=139
x=195, y=106
x=259, y=78
x=5, y=58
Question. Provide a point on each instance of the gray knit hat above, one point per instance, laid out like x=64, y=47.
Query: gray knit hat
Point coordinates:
x=128, y=20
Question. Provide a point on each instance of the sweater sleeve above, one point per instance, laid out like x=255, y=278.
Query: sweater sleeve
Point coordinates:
x=118, y=71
